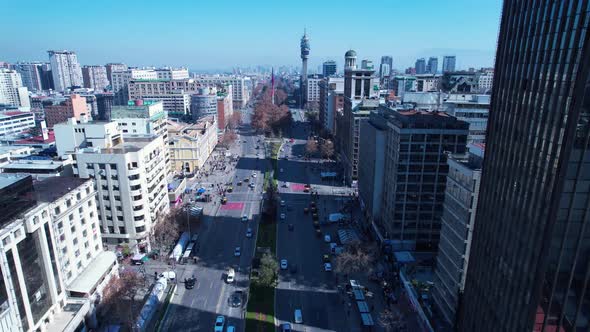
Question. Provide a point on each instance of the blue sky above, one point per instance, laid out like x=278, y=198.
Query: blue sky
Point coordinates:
x=222, y=34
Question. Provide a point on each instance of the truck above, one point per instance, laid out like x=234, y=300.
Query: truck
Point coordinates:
x=179, y=248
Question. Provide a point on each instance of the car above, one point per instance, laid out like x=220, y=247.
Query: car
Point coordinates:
x=249, y=232
x=286, y=185
x=326, y=258
x=252, y=185
x=282, y=203
x=239, y=183
x=231, y=329
x=291, y=140
x=189, y=283
x=318, y=232
x=298, y=316
x=284, y=264
x=230, y=189
x=312, y=204
x=283, y=216
x=219, y=323
x=244, y=218
x=231, y=275
x=224, y=200
x=327, y=238
x=237, y=251
x=291, y=227
x=236, y=299
x=316, y=224
x=306, y=210
x=286, y=327
x=253, y=175
x=246, y=180
x=328, y=267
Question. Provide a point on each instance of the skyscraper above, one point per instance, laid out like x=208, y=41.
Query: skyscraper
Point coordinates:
x=329, y=68
x=529, y=266
x=449, y=63
x=432, y=65
x=421, y=66
x=32, y=74
x=385, y=68
x=304, y=56
x=65, y=69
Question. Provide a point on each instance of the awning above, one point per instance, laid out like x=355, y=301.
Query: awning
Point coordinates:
x=363, y=306
x=87, y=281
x=358, y=294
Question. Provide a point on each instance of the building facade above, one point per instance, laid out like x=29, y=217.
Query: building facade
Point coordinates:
x=459, y=209
x=114, y=67
x=65, y=70
x=313, y=89
x=79, y=134
x=415, y=175
x=331, y=100
x=204, y=103
x=473, y=109
x=529, y=263
x=191, y=144
x=120, y=82
x=12, y=91
x=449, y=63
x=240, y=86
x=420, y=66
x=34, y=75
x=73, y=106
x=432, y=66
x=329, y=68
x=95, y=77
x=14, y=122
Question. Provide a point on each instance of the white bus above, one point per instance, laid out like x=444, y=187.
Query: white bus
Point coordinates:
x=187, y=253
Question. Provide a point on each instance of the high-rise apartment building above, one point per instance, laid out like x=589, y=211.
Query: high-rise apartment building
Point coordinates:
x=131, y=187
x=459, y=209
x=114, y=67
x=53, y=265
x=34, y=75
x=385, y=69
x=486, y=80
x=329, y=68
x=120, y=81
x=204, y=103
x=240, y=86
x=432, y=66
x=529, y=266
x=84, y=133
x=65, y=70
x=420, y=66
x=449, y=63
x=331, y=100
x=95, y=77
x=415, y=175
x=12, y=91
x=313, y=89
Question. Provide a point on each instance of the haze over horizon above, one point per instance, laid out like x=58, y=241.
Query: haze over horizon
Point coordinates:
x=228, y=34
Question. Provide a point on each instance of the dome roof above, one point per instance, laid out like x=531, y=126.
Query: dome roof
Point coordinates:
x=350, y=53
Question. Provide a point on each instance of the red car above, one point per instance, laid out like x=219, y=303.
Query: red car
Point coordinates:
x=291, y=140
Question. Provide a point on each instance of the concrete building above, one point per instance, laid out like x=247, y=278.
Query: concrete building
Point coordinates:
x=329, y=68
x=372, y=165
x=65, y=70
x=175, y=103
x=34, y=75
x=361, y=95
x=114, y=67
x=486, y=81
x=12, y=91
x=432, y=66
x=240, y=86
x=14, y=122
x=457, y=222
x=204, y=103
x=191, y=144
x=104, y=106
x=313, y=90
x=415, y=175
x=73, y=106
x=172, y=73
x=52, y=260
x=79, y=134
x=95, y=77
x=473, y=109
x=130, y=179
x=385, y=69
x=331, y=101
x=225, y=108
x=420, y=66
x=449, y=63
x=120, y=82
x=427, y=83
x=402, y=84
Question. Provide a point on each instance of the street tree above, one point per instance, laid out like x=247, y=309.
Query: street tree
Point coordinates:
x=120, y=298
x=311, y=147
x=130, y=282
x=327, y=149
x=355, y=258
x=235, y=120
x=269, y=270
x=391, y=320
x=165, y=231
x=227, y=139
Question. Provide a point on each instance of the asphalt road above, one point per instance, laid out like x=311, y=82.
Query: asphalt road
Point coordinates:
x=221, y=232
x=310, y=289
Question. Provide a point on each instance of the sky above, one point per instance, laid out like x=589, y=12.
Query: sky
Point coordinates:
x=221, y=34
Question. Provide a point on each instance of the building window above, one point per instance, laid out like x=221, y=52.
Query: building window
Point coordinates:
x=140, y=229
x=122, y=230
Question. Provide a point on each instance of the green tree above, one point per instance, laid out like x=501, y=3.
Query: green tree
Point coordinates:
x=269, y=271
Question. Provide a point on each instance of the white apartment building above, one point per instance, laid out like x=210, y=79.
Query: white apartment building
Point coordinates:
x=175, y=103
x=15, y=122
x=313, y=88
x=172, y=73
x=65, y=70
x=120, y=82
x=12, y=91
x=473, y=109
x=131, y=182
x=79, y=134
x=240, y=91
x=95, y=77
x=485, y=81
x=52, y=260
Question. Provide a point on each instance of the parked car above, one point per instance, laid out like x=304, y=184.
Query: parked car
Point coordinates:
x=231, y=275
x=236, y=299
x=284, y=264
x=244, y=218
x=328, y=267
x=219, y=323
x=286, y=327
x=291, y=227
x=298, y=316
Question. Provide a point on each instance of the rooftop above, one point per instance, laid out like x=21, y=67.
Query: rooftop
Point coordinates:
x=38, y=139
x=52, y=188
x=34, y=165
x=131, y=144
x=7, y=179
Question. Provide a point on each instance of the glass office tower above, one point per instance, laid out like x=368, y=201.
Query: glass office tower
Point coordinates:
x=529, y=268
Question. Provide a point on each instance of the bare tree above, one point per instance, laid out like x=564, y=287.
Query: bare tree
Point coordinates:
x=165, y=231
x=235, y=120
x=311, y=147
x=327, y=149
x=227, y=139
x=131, y=283
x=391, y=320
x=355, y=258
x=120, y=296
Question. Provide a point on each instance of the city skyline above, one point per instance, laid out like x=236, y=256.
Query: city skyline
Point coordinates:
x=257, y=35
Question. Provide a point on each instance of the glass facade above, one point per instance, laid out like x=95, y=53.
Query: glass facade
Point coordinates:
x=529, y=268
x=53, y=258
x=17, y=290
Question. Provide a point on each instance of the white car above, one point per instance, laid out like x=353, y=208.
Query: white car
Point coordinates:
x=284, y=264
x=327, y=238
x=327, y=267
x=237, y=251
x=253, y=175
x=244, y=218
x=282, y=203
x=219, y=323
x=283, y=216
x=298, y=316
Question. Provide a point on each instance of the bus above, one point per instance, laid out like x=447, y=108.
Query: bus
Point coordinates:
x=187, y=253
